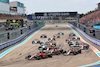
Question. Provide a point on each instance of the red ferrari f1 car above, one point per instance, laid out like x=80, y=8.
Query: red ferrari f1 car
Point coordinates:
x=38, y=56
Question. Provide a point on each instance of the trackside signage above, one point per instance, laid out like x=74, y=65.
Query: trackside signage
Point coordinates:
x=54, y=15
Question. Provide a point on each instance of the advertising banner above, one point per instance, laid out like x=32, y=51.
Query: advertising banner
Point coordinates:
x=54, y=15
x=18, y=22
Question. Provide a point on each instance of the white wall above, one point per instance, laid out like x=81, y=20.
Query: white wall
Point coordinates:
x=13, y=12
x=4, y=8
x=1, y=21
x=20, y=10
x=14, y=4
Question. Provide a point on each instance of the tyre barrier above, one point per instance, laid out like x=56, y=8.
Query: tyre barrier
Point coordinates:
x=14, y=41
x=93, y=40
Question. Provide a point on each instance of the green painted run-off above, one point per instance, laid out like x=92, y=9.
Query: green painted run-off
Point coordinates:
x=40, y=24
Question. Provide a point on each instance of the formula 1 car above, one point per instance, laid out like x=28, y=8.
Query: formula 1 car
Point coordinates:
x=84, y=46
x=73, y=51
x=72, y=34
x=42, y=47
x=50, y=45
x=76, y=38
x=73, y=38
x=73, y=42
x=43, y=36
x=44, y=42
x=56, y=36
x=38, y=56
x=60, y=33
x=51, y=39
x=35, y=41
x=56, y=51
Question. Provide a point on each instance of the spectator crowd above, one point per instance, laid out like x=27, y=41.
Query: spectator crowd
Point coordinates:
x=91, y=18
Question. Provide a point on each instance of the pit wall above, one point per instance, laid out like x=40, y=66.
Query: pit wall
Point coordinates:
x=17, y=35
x=93, y=40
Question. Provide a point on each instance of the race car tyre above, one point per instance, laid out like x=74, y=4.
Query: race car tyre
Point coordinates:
x=70, y=45
x=79, y=51
x=64, y=52
x=50, y=56
x=33, y=42
x=28, y=57
x=45, y=37
x=40, y=36
x=38, y=42
x=73, y=34
x=58, y=37
x=39, y=47
x=61, y=51
x=74, y=53
x=38, y=57
x=87, y=47
x=78, y=38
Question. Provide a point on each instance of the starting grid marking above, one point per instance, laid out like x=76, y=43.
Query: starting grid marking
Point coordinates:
x=97, y=52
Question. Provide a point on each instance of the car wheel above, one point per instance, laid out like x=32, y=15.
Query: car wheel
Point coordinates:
x=87, y=47
x=28, y=57
x=58, y=37
x=70, y=45
x=40, y=36
x=38, y=42
x=33, y=42
x=45, y=36
x=39, y=47
x=74, y=53
x=50, y=55
x=38, y=57
x=79, y=51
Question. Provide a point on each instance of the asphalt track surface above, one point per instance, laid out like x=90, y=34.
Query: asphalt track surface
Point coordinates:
x=16, y=58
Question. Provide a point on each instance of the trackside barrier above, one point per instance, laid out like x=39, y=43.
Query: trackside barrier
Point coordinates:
x=93, y=40
x=14, y=41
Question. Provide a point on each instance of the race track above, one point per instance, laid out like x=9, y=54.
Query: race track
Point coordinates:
x=16, y=58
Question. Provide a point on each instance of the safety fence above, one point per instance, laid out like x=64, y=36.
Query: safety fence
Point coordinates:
x=93, y=40
x=18, y=39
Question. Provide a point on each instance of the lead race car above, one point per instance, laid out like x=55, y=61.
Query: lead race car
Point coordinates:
x=38, y=56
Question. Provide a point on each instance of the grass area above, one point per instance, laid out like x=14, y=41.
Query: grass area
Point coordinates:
x=40, y=24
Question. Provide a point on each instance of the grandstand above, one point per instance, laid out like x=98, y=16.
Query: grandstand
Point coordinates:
x=92, y=17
